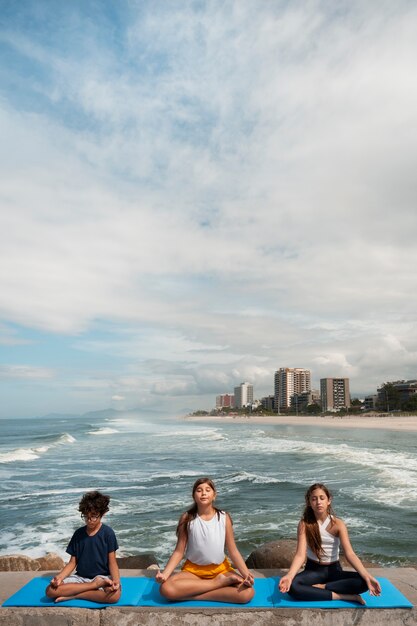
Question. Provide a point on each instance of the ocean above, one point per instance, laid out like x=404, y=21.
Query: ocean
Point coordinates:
x=148, y=466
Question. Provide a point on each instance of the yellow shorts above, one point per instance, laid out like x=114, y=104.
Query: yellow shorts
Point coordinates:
x=207, y=571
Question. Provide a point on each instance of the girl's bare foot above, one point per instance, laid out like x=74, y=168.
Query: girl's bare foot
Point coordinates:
x=64, y=598
x=319, y=586
x=231, y=578
x=349, y=597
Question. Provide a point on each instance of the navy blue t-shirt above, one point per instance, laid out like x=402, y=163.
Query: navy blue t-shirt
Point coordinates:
x=92, y=553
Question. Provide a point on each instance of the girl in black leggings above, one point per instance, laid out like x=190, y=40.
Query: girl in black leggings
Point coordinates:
x=320, y=534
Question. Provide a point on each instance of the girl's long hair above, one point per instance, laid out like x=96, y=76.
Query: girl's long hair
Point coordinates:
x=192, y=512
x=310, y=523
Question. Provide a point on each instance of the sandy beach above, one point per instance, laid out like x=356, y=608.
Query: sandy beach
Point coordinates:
x=373, y=421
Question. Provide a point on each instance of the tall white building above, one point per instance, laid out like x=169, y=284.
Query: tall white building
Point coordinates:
x=243, y=395
x=288, y=381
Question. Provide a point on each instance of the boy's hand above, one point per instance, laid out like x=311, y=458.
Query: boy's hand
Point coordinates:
x=115, y=586
x=55, y=582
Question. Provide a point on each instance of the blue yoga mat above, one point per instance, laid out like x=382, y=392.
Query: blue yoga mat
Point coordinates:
x=264, y=589
x=33, y=594
x=145, y=592
x=390, y=598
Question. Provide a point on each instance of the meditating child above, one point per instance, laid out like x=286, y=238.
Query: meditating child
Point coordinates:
x=320, y=534
x=203, y=532
x=93, y=555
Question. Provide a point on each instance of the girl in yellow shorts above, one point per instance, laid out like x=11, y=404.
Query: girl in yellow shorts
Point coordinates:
x=203, y=533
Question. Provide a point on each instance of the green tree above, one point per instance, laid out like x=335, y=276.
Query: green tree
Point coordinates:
x=313, y=409
x=410, y=404
x=389, y=399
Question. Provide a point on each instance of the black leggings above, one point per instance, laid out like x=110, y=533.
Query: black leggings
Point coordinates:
x=332, y=576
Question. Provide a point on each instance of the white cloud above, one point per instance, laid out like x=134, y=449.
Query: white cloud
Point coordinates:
x=233, y=186
x=27, y=372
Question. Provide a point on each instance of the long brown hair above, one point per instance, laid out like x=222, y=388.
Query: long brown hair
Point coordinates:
x=192, y=512
x=310, y=523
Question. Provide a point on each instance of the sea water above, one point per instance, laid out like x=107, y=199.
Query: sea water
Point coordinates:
x=148, y=467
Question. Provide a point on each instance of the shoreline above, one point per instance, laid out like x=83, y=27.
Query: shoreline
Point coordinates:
x=380, y=422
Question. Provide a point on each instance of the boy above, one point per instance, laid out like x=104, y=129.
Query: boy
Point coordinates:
x=93, y=552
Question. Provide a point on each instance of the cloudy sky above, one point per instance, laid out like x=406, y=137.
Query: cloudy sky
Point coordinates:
x=194, y=194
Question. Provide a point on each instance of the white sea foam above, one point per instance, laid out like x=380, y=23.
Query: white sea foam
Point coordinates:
x=30, y=454
x=20, y=454
x=103, y=431
x=393, y=467
x=207, y=434
x=252, y=478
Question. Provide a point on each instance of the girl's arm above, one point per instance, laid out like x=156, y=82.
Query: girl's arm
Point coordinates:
x=66, y=571
x=176, y=556
x=298, y=560
x=235, y=554
x=114, y=571
x=373, y=585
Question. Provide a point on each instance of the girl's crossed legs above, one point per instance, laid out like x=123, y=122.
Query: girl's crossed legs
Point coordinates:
x=222, y=588
x=327, y=582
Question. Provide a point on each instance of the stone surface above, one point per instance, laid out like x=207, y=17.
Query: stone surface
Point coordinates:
x=275, y=554
x=18, y=563
x=49, y=617
x=256, y=617
x=139, y=561
x=50, y=561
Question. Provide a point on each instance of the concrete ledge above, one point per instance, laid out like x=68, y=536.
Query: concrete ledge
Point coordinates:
x=405, y=579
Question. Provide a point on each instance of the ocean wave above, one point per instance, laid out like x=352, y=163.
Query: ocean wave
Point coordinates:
x=252, y=478
x=33, y=453
x=103, y=431
x=208, y=434
x=393, y=467
x=20, y=454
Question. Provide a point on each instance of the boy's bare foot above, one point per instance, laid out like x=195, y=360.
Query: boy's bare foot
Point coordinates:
x=319, y=586
x=102, y=582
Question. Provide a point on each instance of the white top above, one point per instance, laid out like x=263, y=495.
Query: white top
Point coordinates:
x=206, y=540
x=329, y=543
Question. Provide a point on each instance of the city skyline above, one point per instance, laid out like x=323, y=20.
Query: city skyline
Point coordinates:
x=193, y=192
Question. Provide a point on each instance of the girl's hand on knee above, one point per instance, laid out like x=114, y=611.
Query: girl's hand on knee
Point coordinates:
x=160, y=577
x=373, y=586
x=285, y=584
x=247, y=582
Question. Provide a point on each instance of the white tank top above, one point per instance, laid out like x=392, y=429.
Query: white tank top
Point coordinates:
x=329, y=543
x=206, y=540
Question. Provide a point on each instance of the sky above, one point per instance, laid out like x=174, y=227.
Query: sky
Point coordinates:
x=194, y=194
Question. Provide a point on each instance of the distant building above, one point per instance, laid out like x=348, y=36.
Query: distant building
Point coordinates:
x=243, y=395
x=268, y=403
x=300, y=401
x=289, y=381
x=370, y=403
x=225, y=401
x=335, y=394
x=403, y=390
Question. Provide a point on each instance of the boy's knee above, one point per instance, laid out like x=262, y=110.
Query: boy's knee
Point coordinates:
x=114, y=597
x=51, y=593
